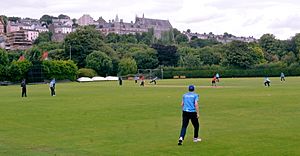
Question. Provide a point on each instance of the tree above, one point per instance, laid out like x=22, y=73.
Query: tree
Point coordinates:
x=167, y=37
x=4, y=62
x=14, y=19
x=295, y=44
x=100, y=62
x=112, y=38
x=240, y=54
x=210, y=55
x=181, y=38
x=167, y=55
x=4, y=20
x=191, y=61
x=200, y=43
x=271, y=46
x=43, y=37
x=62, y=16
x=47, y=19
x=34, y=55
x=127, y=66
x=82, y=42
x=146, y=59
x=289, y=58
x=18, y=70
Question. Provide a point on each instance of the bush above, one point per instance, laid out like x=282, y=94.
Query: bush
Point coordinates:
x=18, y=70
x=60, y=70
x=86, y=72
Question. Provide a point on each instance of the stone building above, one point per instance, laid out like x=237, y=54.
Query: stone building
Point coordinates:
x=85, y=20
x=118, y=26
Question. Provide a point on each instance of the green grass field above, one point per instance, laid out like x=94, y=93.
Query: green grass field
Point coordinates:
x=241, y=117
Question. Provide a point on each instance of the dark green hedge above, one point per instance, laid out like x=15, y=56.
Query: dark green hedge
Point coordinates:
x=208, y=73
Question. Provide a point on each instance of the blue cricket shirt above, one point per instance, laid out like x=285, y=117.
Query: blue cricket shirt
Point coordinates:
x=189, y=100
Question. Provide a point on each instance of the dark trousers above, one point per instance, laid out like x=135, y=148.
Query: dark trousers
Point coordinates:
x=24, y=92
x=213, y=83
x=282, y=79
x=153, y=81
x=52, y=91
x=186, y=117
x=267, y=83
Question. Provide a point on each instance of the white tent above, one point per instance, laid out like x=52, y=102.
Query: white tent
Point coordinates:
x=84, y=79
x=99, y=78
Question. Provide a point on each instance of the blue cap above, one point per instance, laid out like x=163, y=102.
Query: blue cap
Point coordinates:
x=191, y=88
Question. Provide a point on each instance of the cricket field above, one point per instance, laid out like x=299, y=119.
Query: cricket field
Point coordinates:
x=238, y=117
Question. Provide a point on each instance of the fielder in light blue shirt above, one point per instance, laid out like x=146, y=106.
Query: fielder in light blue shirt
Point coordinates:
x=190, y=111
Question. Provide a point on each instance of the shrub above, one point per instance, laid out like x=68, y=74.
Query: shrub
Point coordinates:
x=18, y=70
x=60, y=70
x=86, y=72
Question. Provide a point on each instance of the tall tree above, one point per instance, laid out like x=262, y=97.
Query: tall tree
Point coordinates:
x=240, y=54
x=167, y=55
x=272, y=47
x=127, y=66
x=100, y=62
x=81, y=43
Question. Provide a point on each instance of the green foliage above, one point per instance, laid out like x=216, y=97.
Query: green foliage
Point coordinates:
x=86, y=72
x=3, y=64
x=100, y=62
x=200, y=43
x=240, y=54
x=62, y=16
x=146, y=58
x=181, y=38
x=167, y=55
x=60, y=70
x=167, y=38
x=47, y=19
x=127, y=66
x=57, y=54
x=3, y=57
x=43, y=37
x=83, y=42
x=47, y=46
x=190, y=61
x=33, y=54
x=210, y=55
x=272, y=47
x=18, y=70
x=14, y=19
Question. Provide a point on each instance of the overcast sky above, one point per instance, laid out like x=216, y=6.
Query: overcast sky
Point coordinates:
x=237, y=17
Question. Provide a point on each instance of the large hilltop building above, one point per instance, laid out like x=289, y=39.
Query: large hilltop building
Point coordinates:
x=141, y=24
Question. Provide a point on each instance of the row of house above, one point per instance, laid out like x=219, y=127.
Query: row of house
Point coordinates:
x=225, y=38
x=27, y=30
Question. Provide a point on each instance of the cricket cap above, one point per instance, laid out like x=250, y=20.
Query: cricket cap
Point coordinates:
x=191, y=88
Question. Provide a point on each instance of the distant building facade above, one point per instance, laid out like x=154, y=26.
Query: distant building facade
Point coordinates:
x=85, y=20
x=18, y=40
x=139, y=26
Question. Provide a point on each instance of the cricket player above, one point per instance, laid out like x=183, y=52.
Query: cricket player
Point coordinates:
x=190, y=111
